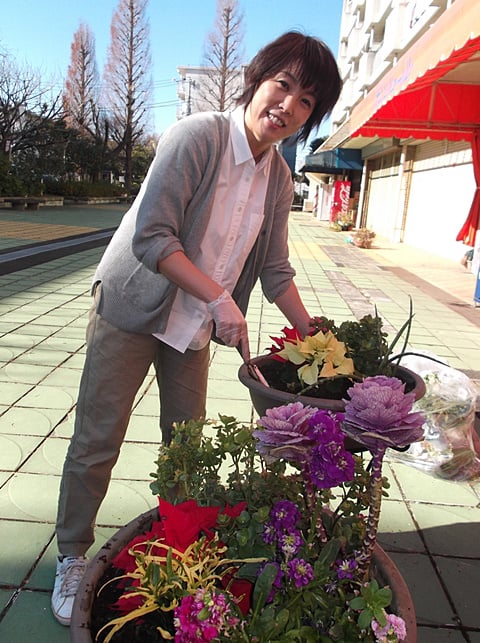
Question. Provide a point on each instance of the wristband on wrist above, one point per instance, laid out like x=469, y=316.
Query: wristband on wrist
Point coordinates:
x=221, y=299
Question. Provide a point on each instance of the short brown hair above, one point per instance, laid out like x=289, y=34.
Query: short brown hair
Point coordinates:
x=315, y=67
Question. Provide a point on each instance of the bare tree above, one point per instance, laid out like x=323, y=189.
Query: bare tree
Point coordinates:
x=82, y=86
x=87, y=122
x=27, y=109
x=223, y=57
x=127, y=78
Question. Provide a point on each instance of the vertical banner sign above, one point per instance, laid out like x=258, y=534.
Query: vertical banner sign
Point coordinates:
x=341, y=197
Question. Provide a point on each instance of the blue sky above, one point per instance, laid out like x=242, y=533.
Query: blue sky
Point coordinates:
x=39, y=33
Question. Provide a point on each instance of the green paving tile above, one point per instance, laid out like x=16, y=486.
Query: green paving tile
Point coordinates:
x=5, y=596
x=39, y=627
x=421, y=487
x=450, y=530
x=19, y=343
x=61, y=377
x=43, y=355
x=15, y=449
x=436, y=635
x=396, y=528
x=11, y=392
x=75, y=361
x=73, y=331
x=6, y=354
x=4, y=476
x=21, y=373
x=50, y=397
x=65, y=428
x=125, y=500
x=221, y=373
x=18, y=316
x=22, y=545
x=29, y=421
x=148, y=406
x=394, y=492
x=431, y=604
x=239, y=409
x=30, y=497
x=57, y=342
x=143, y=428
x=6, y=327
x=462, y=579
x=38, y=329
x=48, y=459
x=136, y=461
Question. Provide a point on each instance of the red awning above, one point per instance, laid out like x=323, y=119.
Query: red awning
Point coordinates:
x=469, y=229
x=434, y=89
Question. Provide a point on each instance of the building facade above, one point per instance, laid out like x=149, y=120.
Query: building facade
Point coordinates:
x=410, y=108
x=197, y=89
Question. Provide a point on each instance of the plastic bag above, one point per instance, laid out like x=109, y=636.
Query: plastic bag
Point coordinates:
x=448, y=448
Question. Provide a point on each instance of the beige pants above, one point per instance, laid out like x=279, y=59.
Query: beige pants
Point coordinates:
x=116, y=364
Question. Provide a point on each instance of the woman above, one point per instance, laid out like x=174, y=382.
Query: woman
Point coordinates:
x=210, y=219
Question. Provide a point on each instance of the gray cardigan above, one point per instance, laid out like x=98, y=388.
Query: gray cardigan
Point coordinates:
x=171, y=213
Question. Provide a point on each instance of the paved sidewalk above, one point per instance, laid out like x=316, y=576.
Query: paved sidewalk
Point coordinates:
x=19, y=228
x=429, y=526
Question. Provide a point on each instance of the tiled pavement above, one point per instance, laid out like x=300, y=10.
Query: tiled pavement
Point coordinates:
x=430, y=527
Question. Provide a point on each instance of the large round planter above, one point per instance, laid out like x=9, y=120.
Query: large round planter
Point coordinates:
x=265, y=397
x=384, y=569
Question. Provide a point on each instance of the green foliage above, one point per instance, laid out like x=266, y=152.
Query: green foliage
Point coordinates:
x=10, y=185
x=372, y=603
x=218, y=468
x=364, y=340
x=82, y=188
x=367, y=344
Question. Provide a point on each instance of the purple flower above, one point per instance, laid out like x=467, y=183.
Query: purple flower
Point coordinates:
x=330, y=464
x=281, y=528
x=284, y=433
x=379, y=415
x=300, y=571
x=346, y=568
x=290, y=543
x=284, y=514
x=270, y=533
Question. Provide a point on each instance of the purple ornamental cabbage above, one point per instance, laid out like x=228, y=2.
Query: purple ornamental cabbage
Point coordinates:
x=284, y=433
x=379, y=414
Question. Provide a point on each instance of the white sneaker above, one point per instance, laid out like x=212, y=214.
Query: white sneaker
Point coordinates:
x=69, y=573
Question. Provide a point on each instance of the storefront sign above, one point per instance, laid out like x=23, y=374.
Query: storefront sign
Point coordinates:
x=340, y=201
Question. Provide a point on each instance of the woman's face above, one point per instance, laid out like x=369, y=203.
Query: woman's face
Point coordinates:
x=278, y=109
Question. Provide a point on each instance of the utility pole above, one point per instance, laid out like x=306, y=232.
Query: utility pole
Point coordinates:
x=191, y=83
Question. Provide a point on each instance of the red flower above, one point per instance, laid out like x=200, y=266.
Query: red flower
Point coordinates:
x=179, y=526
x=124, y=560
x=241, y=588
x=183, y=523
x=289, y=335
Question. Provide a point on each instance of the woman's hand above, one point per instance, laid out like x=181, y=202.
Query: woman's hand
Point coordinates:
x=230, y=324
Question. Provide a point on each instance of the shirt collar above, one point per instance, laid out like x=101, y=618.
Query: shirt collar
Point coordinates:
x=241, y=149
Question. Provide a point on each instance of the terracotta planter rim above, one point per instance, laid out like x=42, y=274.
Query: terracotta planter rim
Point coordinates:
x=383, y=567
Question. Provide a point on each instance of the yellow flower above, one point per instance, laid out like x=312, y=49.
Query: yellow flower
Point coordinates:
x=324, y=356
